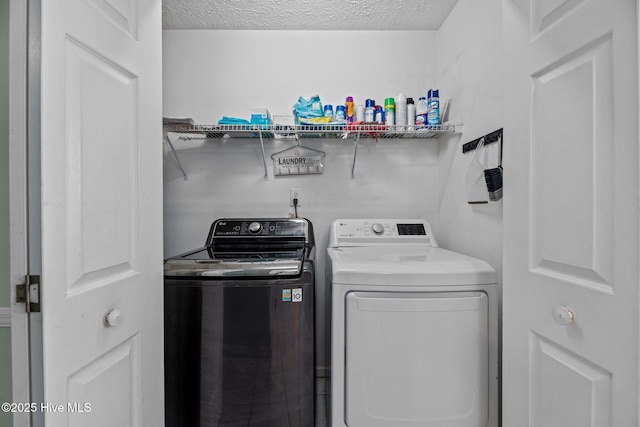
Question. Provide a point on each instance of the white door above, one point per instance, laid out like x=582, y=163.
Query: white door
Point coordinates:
x=101, y=160
x=570, y=213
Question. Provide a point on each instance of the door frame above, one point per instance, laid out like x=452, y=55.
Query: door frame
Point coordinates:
x=18, y=195
x=638, y=122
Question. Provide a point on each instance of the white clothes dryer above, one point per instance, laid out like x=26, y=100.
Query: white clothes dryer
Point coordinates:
x=414, y=331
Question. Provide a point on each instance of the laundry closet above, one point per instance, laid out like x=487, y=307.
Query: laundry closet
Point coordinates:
x=208, y=74
x=548, y=72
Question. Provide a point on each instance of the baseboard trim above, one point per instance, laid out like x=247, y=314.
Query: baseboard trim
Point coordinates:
x=5, y=317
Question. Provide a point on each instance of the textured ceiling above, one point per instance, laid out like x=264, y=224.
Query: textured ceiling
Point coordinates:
x=305, y=14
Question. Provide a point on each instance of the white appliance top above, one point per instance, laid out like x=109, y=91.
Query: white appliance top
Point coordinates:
x=362, y=255
x=387, y=232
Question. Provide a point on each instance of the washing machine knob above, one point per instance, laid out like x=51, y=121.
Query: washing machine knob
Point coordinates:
x=255, y=227
x=377, y=228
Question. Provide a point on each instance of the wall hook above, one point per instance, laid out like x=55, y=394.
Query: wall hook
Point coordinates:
x=494, y=136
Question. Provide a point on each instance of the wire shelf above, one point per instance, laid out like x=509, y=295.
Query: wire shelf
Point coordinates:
x=186, y=130
x=366, y=130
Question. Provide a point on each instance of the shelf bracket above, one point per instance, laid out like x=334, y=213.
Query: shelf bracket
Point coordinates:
x=264, y=161
x=173, y=150
x=355, y=154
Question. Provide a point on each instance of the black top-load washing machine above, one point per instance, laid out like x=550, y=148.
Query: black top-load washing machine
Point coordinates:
x=239, y=327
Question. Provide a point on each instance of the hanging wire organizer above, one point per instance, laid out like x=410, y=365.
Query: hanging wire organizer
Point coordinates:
x=298, y=160
x=185, y=131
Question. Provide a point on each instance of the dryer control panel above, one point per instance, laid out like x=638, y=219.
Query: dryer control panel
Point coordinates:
x=365, y=232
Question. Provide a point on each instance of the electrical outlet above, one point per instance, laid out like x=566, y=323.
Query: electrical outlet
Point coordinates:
x=295, y=193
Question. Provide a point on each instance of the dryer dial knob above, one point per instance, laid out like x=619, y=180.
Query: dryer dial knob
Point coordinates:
x=378, y=228
x=255, y=227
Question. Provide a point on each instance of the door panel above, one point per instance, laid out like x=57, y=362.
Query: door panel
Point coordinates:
x=548, y=12
x=121, y=13
x=571, y=220
x=101, y=212
x=571, y=180
x=102, y=166
x=558, y=374
x=113, y=378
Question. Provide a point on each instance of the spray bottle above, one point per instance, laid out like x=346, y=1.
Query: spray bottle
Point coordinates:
x=433, y=102
x=389, y=112
x=350, y=108
x=411, y=115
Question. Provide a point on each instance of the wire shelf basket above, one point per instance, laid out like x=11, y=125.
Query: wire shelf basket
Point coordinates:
x=185, y=129
x=365, y=130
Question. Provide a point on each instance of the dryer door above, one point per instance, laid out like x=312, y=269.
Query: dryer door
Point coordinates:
x=417, y=359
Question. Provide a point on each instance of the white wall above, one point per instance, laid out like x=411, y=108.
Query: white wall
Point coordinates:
x=208, y=74
x=470, y=74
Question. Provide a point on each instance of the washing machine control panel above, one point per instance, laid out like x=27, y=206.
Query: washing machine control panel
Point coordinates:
x=372, y=231
x=264, y=229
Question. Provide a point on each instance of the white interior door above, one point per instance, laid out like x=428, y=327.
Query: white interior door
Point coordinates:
x=101, y=207
x=571, y=213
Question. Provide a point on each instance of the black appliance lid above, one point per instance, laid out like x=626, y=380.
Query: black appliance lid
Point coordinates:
x=207, y=263
x=248, y=247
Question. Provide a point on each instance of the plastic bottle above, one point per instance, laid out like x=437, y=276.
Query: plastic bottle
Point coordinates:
x=359, y=116
x=379, y=117
x=401, y=112
x=341, y=114
x=421, y=111
x=411, y=115
x=433, y=113
x=328, y=110
x=389, y=112
x=349, y=107
x=369, y=111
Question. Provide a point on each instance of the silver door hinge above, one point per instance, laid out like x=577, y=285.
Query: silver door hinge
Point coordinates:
x=29, y=293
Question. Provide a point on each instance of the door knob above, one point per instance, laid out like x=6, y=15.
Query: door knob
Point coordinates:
x=563, y=315
x=112, y=318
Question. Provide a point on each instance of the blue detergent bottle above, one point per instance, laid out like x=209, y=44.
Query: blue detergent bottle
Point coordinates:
x=433, y=109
